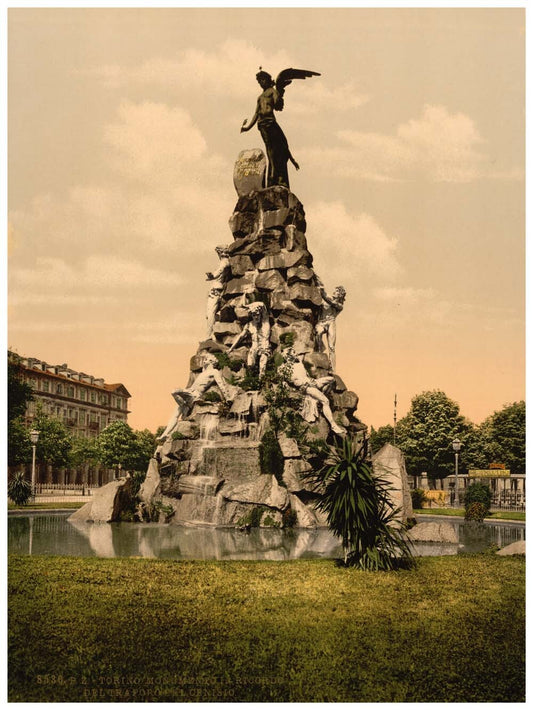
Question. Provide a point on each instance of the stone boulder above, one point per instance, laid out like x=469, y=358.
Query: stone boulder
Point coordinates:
x=515, y=548
x=434, y=532
x=264, y=490
x=107, y=503
x=389, y=463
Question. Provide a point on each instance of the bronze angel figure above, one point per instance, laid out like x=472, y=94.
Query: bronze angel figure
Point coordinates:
x=271, y=100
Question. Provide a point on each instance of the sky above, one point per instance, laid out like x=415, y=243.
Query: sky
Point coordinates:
x=123, y=129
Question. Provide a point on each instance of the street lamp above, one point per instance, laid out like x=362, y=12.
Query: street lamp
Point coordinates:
x=456, y=444
x=34, y=438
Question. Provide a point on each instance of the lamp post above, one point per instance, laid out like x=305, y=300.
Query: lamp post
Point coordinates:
x=456, y=447
x=34, y=438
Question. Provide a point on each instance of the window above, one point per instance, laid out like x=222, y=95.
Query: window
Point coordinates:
x=93, y=397
x=92, y=418
x=119, y=403
x=45, y=386
x=103, y=422
x=59, y=389
x=83, y=395
x=82, y=417
x=70, y=391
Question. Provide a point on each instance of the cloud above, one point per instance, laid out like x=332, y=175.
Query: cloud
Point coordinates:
x=219, y=73
x=350, y=247
x=425, y=309
x=157, y=142
x=147, y=202
x=439, y=146
x=102, y=271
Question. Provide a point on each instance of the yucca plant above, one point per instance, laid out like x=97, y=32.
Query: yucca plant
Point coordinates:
x=359, y=510
x=19, y=489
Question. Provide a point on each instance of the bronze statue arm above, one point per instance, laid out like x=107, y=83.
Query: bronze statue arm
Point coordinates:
x=246, y=126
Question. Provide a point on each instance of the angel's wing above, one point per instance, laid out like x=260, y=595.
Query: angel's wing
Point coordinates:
x=285, y=77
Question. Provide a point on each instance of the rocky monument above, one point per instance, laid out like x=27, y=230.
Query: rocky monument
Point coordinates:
x=262, y=387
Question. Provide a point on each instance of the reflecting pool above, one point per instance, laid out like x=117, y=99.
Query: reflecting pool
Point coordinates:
x=54, y=534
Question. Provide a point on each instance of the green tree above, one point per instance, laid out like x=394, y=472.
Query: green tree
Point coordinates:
x=54, y=443
x=83, y=451
x=117, y=444
x=380, y=437
x=426, y=433
x=504, y=437
x=146, y=445
x=19, y=393
x=18, y=442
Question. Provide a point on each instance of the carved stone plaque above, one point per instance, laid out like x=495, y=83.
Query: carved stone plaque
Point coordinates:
x=249, y=171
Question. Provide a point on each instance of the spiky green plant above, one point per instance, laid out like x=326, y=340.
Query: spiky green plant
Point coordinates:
x=19, y=489
x=359, y=510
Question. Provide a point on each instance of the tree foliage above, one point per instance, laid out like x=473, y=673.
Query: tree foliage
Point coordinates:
x=426, y=433
x=54, y=444
x=116, y=445
x=18, y=442
x=380, y=437
x=146, y=445
x=83, y=451
x=503, y=437
x=19, y=393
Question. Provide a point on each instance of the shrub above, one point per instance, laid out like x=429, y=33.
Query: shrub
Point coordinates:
x=286, y=340
x=224, y=360
x=250, y=381
x=271, y=457
x=19, y=489
x=418, y=497
x=255, y=517
x=478, y=493
x=476, y=511
x=290, y=518
x=269, y=522
x=212, y=396
x=359, y=510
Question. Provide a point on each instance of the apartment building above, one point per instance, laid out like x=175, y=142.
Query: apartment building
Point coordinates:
x=86, y=404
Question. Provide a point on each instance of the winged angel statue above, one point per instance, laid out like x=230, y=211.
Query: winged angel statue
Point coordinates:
x=271, y=100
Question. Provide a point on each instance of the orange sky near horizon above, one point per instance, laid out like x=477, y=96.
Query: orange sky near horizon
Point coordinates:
x=123, y=130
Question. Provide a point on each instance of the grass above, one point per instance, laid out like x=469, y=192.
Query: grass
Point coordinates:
x=89, y=629
x=460, y=513
x=46, y=506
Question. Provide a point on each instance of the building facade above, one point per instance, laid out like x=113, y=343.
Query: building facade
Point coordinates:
x=84, y=403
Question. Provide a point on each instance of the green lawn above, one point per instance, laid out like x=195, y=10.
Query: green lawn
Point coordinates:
x=460, y=513
x=46, y=506
x=115, y=630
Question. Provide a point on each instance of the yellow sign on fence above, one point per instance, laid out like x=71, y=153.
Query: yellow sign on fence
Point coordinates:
x=488, y=473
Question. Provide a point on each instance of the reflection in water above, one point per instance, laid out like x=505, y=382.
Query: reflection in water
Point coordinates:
x=56, y=535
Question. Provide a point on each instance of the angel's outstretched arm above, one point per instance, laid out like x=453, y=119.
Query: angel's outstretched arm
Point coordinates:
x=245, y=126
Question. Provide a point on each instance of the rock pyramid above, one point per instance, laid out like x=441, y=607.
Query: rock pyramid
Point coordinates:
x=262, y=384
